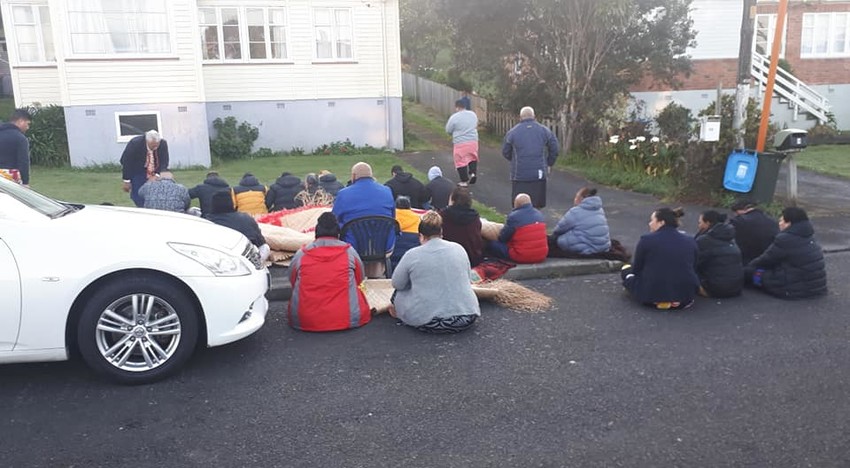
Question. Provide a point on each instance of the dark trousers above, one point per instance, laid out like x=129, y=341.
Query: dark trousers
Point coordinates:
x=466, y=171
x=536, y=189
x=137, y=181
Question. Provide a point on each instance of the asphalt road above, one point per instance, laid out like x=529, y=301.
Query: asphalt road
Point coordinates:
x=751, y=381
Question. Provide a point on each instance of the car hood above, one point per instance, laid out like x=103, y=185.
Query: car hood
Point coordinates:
x=138, y=223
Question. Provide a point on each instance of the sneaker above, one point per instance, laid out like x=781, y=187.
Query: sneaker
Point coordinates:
x=462, y=184
x=472, y=178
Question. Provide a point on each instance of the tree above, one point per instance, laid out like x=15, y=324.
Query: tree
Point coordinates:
x=581, y=53
x=426, y=36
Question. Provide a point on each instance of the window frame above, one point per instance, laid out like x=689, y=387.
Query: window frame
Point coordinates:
x=830, y=35
x=334, y=36
x=35, y=9
x=771, y=30
x=172, y=43
x=244, y=35
x=125, y=138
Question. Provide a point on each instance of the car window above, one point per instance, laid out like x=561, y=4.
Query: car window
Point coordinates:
x=28, y=198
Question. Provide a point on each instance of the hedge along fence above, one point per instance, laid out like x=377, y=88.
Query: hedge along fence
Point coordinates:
x=48, y=137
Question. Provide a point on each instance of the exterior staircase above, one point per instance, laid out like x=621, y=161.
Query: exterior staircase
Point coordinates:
x=791, y=91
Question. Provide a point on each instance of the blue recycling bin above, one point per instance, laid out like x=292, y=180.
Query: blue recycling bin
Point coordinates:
x=741, y=168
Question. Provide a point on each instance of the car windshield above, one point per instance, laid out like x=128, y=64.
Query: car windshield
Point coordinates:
x=31, y=198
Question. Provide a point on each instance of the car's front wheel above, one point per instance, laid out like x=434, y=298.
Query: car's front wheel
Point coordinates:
x=137, y=330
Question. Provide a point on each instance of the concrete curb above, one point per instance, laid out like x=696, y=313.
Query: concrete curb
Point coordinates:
x=551, y=268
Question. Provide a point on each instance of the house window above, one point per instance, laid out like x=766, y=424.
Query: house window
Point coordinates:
x=243, y=34
x=333, y=33
x=131, y=124
x=764, y=30
x=33, y=33
x=115, y=27
x=825, y=35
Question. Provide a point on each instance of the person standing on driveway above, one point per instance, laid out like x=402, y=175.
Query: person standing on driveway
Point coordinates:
x=15, y=148
x=463, y=127
x=532, y=150
x=144, y=158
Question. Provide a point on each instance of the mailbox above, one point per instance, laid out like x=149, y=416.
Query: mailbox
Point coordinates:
x=791, y=139
x=709, y=128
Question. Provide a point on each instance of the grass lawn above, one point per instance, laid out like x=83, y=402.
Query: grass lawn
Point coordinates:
x=826, y=159
x=615, y=177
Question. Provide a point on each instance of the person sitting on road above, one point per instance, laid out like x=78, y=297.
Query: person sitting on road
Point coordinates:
x=408, y=222
x=224, y=214
x=404, y=184
x=793, y=266
x=462, y=224
x=281, y=194
x=328, y=183
x=584, y=229
x=326, y=276
x=311, y=183
x=205, y=190
x=364, y=197
x=432, y=286
x=250, y=195
x=719, y=267
x=164, y=193
x=523, y=237
x=439, y=188
x=754, y=230
x=663, y=274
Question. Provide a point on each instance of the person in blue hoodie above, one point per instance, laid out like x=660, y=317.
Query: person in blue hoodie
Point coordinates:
x=583, y=229
x=664, y=271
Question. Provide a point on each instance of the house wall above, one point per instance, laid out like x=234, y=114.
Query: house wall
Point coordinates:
x=92, y=134
x=306, y=124
x=37, y=85
x=718, y=27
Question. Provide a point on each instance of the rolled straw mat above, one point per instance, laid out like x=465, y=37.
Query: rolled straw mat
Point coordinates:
x=282, y=238
x=517, y=297
x=490, y=230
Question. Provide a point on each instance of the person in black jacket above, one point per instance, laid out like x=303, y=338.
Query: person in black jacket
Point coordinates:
x=719, y=267
x=281, y=194
x=663, y=274
x=793, y=266
x=754, y=230
x=205, y=190
x=328, y=183
x=439, y=189
x=144, y=158
x=14, y=146
x=404, y=184
x=224, y=214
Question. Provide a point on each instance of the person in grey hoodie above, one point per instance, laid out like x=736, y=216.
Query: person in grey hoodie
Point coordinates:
x=584, y=229
x=463, y=127
x=433, y=292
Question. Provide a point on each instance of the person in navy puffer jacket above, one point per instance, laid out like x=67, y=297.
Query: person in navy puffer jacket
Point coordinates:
x=584, y=229
x=205, y=190
x=523, y=238
x=281, y=194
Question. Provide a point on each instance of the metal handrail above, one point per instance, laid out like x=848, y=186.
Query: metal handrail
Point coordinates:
x=791, y=88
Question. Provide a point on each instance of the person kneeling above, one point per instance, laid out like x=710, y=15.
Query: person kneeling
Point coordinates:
x=224, y=214
x=523, y=238
x=325, y=276
x=432, y=288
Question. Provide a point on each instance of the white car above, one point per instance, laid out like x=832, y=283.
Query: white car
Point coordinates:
x=133, y=291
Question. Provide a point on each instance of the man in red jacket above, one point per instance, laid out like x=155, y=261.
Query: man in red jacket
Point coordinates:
x=523, y=238
x=325, y=276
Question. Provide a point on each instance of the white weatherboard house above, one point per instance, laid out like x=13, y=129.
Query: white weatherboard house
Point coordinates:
x=305, y=72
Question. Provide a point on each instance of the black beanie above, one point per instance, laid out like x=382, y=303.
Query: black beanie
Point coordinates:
x=222, y=202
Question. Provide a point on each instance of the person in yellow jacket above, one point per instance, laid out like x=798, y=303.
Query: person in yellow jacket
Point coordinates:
x=408, y=222
x=250, y=195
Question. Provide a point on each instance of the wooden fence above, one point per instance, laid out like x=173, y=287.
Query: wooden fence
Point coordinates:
x=441, y=98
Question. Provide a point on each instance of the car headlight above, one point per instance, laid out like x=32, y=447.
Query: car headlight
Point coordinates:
x=218, y=262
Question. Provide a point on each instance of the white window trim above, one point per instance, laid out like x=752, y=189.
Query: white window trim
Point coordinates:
x=244, y=44
x=172, y=41
x=12, y=52
x=316, y=59
x=771, y=33
x=125, y=138
x=828, y=54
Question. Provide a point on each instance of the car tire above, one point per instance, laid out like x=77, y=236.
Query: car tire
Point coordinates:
x=137, y=330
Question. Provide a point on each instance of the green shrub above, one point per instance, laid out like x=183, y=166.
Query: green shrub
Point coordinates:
x=232, y=141
x=48, y=137
x=675, y=123
x=343, y=148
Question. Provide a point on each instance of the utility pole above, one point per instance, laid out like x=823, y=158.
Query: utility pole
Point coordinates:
x=745, y=57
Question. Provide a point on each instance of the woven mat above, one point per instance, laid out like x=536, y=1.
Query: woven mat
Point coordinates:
x=283, y=238
x=299, y=219
x=379, y=291
x=490, y=230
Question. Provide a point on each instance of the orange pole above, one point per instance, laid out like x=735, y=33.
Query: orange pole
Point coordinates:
x=771, y=74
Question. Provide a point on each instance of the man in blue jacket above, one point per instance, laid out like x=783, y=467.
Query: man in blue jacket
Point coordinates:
x=532, y=150
x=364, y=197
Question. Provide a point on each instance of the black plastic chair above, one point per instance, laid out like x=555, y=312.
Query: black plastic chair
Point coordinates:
x=370, y=236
